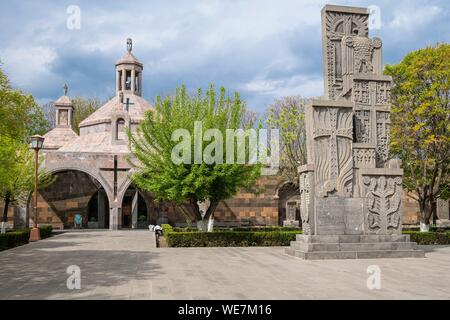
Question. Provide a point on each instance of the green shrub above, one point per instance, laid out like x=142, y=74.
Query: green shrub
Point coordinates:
x=46, y=231
x=229, y=238
x=223, y=229
x=14, y=239
x=428, y=238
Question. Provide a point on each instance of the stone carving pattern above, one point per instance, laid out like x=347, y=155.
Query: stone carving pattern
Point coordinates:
x=383, y=199
x=383, y=95
x=338, y=25
x=383, y=137
x=291, y=208
x=361, y=92
x=333, y=135
x=362, y=126
x=364, y=157
x=305, y=189
x=362, y=56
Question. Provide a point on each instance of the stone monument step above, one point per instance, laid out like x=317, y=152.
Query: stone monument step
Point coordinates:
x=373, y=254
x=350, y=246
x=352, y=238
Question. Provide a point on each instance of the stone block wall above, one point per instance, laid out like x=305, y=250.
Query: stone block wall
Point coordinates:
x=69, y=195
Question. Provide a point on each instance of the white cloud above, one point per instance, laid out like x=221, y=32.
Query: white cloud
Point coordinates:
x=28, y=65
x=414, y=17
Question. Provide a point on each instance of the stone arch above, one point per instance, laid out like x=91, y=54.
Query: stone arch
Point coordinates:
x=100, y=179
x=69, y=195
x=285, y=192
x=147, y=197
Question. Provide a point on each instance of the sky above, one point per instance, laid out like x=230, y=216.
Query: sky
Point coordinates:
x=262, y=49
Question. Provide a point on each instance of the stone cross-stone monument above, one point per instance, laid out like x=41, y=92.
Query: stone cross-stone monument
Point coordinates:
x=350, y=190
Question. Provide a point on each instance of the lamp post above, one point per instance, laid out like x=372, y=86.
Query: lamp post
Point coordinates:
x=37, y=142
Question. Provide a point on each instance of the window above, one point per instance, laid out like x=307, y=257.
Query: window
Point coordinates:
x=128, y=80
x=136, y=83
x=120, y=129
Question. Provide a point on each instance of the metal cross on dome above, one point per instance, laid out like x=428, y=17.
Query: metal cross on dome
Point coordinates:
x=129, y=45
x=126, y=104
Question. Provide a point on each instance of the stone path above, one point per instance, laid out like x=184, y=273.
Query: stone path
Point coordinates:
x=126, y=265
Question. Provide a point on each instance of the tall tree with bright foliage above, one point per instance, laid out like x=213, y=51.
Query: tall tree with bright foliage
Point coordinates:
x=190, y=184
x=421, y=124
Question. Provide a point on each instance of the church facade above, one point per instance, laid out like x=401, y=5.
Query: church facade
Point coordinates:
x=92, y=174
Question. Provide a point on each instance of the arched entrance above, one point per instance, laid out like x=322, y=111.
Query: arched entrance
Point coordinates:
x=287, y=192
x=70, y=194
x=98, y=211
x=135, y=214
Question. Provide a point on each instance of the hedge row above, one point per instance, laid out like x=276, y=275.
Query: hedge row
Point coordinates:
x=429, y=238
x=253, y=229
x=264, y=236
x=228, y=238
x=19, y=238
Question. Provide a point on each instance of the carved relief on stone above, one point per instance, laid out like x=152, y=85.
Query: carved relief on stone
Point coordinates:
x=337, y=26
x=305, y=189
x=361, y=92
x=362, y=126
x=358, y=56
x=383, y=199
x=383, y=93
x=364, y=157
x=358, y=51
x=333, y=135
x=383, y=137
x=291, y=210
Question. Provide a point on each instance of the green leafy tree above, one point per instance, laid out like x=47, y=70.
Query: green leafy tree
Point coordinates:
x=83, y=108
x=421, y=124
x=17, y=163
x=192, y=186
x=287, y=115
x=21, y=117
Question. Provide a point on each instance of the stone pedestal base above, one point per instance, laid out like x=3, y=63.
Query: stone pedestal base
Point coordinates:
x=291, y=223
x=35, y=235
x=319, y=247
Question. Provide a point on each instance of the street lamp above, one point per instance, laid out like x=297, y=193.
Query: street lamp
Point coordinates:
x=37, y=142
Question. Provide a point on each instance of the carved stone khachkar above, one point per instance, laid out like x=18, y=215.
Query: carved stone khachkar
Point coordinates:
x=350, y=190
x=291, y=213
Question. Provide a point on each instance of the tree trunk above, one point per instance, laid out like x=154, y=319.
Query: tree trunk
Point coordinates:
x=5, y=215
x=5, y=209
x=205, y=222
x=426, y=210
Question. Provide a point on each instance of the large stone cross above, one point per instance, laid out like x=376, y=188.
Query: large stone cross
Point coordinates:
x=116, y=170
x=333, y=132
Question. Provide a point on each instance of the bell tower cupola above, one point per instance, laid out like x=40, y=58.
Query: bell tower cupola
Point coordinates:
x=129, y=73
x=64, y=110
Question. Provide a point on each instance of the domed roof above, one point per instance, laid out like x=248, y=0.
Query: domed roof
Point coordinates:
x=128, y=58
x=63, y=101
x=59, y=137
x=136, y=110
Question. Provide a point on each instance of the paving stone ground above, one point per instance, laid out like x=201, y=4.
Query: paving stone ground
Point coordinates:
x=126, y=265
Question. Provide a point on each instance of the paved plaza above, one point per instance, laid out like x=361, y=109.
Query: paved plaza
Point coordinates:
x=126, y=265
